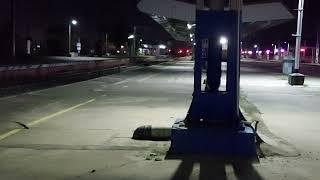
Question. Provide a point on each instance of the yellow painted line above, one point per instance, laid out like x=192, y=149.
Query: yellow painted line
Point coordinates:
x=59, y=113
x=10, y=133
x=33, y=123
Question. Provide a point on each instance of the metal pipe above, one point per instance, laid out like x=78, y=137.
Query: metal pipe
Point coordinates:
x=237, y=6
x=69, y=43
x=214, y=56
x=299, y=35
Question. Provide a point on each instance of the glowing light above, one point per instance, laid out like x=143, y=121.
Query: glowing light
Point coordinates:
x=223, y=40
x=257, y=52
x=140, y=40
x=268, y=52
x=74, y=22
x=282, y=50
x=145, y=46
x=169, y=50
x=302, y=50
x=131, y=36
x=250, y=52
x=180, y=51
x=118, y=52
x=191, y=35
x=188, y=51
x=194, y=44
x=276, y=50
x=122, y=46
x=191, y=39
x=255, y=46
x=189, y=26
x=260, y=52
x=161, y=46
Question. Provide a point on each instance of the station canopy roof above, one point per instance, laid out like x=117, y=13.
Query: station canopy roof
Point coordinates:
x=174, y=15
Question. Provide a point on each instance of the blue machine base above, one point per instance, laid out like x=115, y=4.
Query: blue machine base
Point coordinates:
x=212, y=141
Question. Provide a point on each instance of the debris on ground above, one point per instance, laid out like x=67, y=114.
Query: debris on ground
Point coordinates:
x=21, y=124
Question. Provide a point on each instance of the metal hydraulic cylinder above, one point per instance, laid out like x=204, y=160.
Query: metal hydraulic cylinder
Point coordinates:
x=214, y=55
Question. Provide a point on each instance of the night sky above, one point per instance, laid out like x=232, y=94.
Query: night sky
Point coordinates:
x=118, y=17
x=311, y=25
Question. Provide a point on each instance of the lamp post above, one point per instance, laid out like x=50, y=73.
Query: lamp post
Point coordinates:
x=133, y=45
x=288, y=48
x=106, y=43
x=296, y=78
x=13, y=21
x=73, y=22
x=298, y=35
x=317, y=49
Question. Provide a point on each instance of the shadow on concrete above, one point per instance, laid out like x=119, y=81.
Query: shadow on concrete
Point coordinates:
x=215, y=168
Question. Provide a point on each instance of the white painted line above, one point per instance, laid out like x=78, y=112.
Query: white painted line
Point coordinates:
x=148, y=77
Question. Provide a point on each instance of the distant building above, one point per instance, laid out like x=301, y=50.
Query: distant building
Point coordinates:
x=31, y=24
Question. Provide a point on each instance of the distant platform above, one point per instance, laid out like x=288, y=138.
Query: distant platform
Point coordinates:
x=80, y=58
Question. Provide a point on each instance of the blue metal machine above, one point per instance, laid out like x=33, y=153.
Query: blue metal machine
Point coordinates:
x=213, y=124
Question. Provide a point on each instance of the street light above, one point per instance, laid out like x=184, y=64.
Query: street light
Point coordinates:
x=190, y=26
x=223, y=40
x=73, y=22
x=268, y=52
x=131, y=36
x=161, y=46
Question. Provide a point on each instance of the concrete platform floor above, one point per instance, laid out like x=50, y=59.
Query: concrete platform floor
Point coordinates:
x=83, y=130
